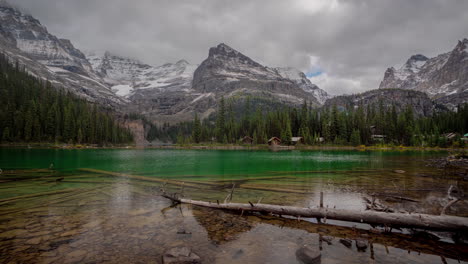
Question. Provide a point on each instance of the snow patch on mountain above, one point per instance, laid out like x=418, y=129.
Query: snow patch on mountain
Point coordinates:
x=122, y=89
x=304, y=83
x=441, y=76
x=24, y=39
x=119, y=70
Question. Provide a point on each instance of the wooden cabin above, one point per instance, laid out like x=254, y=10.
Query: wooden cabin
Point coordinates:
x=380, y=138
x=246, y=140
x=465, y=137
x=450, y=136
x=274, y=141
x=297, y=140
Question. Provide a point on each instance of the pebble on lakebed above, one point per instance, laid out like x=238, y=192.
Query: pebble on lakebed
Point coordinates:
x=309, y=255
x=180, y=255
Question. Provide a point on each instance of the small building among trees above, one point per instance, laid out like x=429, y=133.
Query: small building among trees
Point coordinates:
x=465, y=137
x=450, y=137
x=379, y=138
x=297, y=140
x=274, y=141
x=246, y=140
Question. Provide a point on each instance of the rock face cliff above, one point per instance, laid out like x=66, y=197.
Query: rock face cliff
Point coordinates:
x=174, y=91
x=444, y=78
x=171, y=92
x=25, y=40
x=227, y=72
x=400, y=98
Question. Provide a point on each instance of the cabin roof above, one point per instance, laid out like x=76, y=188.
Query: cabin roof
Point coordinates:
x=294, y=139
x=450, y=135
x=274, y=138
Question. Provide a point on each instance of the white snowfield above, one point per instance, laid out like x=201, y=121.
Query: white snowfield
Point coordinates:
x=128, y=75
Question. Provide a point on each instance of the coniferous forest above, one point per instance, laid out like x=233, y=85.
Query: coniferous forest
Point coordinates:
x=365, y=125
x=31, y=110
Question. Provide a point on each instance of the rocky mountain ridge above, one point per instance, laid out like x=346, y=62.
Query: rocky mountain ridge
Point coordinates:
x=24, y=40
x=229, y=73
x=166, y=93
x=444, y=78
x=174, y=91
x=399, y=98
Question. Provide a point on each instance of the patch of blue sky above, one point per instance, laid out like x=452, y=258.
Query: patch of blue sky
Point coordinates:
x=313, y=74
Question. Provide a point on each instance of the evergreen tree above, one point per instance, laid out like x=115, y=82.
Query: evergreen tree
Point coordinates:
x=355, y=138
x=196, y=135
x=32, y=110
x=220, y=122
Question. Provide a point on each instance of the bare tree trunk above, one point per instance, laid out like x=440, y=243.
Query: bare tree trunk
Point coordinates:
x=434, y=222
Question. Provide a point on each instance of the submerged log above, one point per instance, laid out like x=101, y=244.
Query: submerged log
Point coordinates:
x=193, y=184
x=425, y=221
x=34, y=195
x=271, y=189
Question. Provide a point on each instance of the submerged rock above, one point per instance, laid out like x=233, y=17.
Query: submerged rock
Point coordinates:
x=13, y=233
x=309, y=255
x=183, y=232
x=180, y=255
x=399, y=171
x=361, y=245
x=76, y=256
x=327, y=239
x=33, y=241
x=347, y=242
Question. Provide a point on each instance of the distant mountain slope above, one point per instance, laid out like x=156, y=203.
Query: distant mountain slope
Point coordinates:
x=174, y=91
x=228, y=72
x=168, y=93
x=444, y=78
x=304, y=83
x=400, y=98
x=121, y=72
x=25, y=40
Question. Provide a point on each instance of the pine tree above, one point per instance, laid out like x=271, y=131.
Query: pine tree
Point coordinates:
x=196, y=135
x=34, y=110
x=220, y=122
x=355, y=138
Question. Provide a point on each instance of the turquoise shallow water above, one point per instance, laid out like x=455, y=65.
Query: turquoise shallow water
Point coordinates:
x=173, y=163
x=68, y=215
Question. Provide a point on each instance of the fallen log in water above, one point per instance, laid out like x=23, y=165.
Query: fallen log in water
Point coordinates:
x=425, y=221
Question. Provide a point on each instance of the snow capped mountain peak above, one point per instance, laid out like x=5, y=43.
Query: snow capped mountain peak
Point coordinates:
x=303, y=82
x=418, y=57
x=27, y=34
x=127, y=75
x=439, y=77
x=182, y=62
x=462, y=46
x=24, y=39
x=414, y=63
x=223, y=48
x=229, y=72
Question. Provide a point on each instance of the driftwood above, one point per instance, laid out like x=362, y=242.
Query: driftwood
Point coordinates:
x=425, y=221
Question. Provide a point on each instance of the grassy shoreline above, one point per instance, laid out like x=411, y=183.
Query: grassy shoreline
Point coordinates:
x=224, y=147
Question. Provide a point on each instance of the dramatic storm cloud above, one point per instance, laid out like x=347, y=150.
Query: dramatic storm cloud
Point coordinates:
x=343, y=45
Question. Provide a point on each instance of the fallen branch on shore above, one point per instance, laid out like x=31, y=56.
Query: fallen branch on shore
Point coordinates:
x=425, y=221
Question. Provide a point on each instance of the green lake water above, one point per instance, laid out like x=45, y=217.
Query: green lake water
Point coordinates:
x=103, y=205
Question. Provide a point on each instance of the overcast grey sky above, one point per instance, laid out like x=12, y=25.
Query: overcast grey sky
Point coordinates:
x=350, y=42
